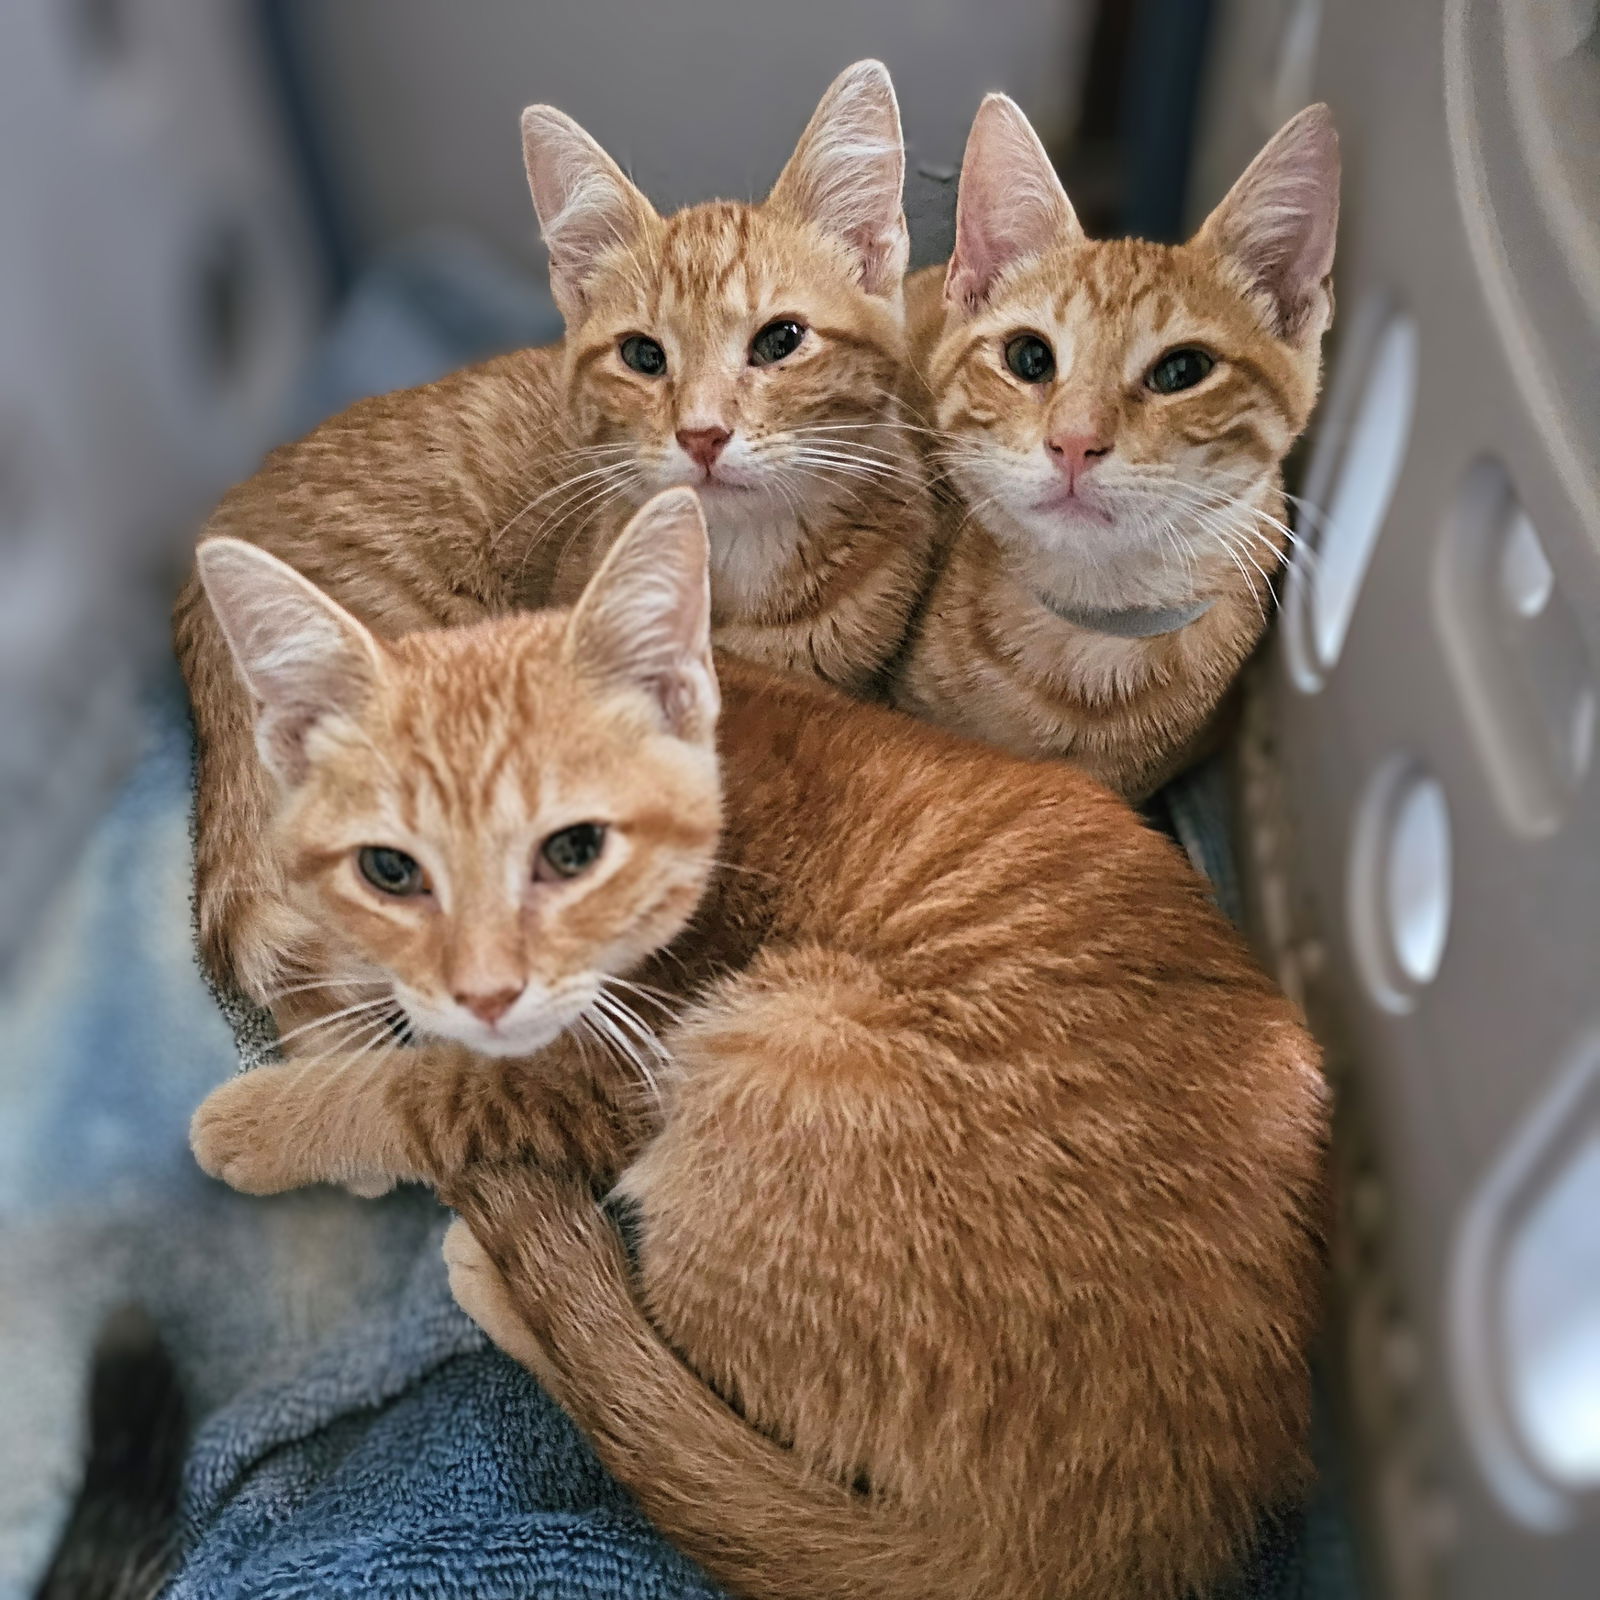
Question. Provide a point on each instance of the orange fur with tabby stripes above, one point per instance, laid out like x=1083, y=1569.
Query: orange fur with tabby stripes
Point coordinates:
x=979, y=1212
x=1117, y=538
x=500, y=487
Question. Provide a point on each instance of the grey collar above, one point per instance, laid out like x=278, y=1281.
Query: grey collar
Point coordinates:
x=1129, y=622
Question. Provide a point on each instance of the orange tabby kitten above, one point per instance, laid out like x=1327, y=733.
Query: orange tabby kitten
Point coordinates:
x=1116, y=414
x=755, y=351
x=979, y=1210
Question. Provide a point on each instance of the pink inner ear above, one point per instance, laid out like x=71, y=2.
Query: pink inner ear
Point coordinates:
x=1279, y=221
x=586, y=206
x=883, y=257
x=1285, y=237
x=847, y=175
x=989, y=242
x=1011, y=204
x=974, y=263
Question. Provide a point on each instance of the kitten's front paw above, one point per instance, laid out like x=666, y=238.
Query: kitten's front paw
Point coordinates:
x=236, y=1137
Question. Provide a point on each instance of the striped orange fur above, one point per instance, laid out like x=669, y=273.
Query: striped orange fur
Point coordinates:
x=980, y=1205
x=1091, y=492
x=500, y=487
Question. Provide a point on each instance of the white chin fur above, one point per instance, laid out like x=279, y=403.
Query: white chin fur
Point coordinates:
x=751, y=522
x=734, y=492
x=1112, y=553
x=531, y=1024
x=525, y=1042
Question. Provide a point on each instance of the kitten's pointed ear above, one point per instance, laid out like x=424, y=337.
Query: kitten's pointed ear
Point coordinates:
x=585, y=204
x=645, y=618
x=1279, y=220
x=1010, y=205
x=301, y=656
x=847, y=175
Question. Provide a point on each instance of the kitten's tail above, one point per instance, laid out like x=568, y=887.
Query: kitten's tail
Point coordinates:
x=742, y=1506
x=120, y=1541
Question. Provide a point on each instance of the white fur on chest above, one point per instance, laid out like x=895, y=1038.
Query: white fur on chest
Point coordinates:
x=754, y=546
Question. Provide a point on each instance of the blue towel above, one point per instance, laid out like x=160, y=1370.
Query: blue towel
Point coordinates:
x=412, y=1460
x=108, y=1041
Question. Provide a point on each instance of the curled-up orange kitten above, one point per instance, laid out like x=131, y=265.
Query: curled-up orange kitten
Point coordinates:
x=979, y=1206
x=755, y=351
x=1115, y=413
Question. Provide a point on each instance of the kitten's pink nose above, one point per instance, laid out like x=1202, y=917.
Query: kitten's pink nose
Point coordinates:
x=1076, y=453
x=703, y=445
x=491, y=1006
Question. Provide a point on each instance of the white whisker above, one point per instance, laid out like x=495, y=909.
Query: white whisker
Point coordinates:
x=626, y=1016
x=608, y=1033
x=321, y=983
x=334, y=1016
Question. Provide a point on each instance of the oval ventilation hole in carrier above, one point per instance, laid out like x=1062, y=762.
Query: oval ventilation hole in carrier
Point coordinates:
x=1401, y=862
x=1519, y=655
x=1524, y=1306
x=1352, y=479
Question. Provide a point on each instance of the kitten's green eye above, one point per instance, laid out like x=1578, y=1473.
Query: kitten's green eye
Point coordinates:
x=643, y=355
x=392, y=871
x=1179, y=369
x=1031, y=358
x=571, y=851
x=775, y=341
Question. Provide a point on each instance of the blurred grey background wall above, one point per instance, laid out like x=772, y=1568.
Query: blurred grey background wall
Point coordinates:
x=418, y=101
x=159, y=292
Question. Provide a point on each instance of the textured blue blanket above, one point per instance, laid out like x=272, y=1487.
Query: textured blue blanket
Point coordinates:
x=411, y=1462
x=410, y=1459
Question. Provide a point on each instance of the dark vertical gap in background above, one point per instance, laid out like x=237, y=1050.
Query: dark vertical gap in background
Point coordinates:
x=1105, y=71
x=1092, y=168
x=1160, y=96
x=285, y=60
